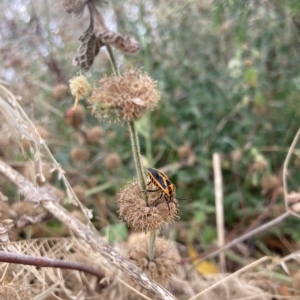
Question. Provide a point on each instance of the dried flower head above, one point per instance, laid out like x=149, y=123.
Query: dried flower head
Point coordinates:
x=60, y=90
x=269, y=182
x=112, y=161
x=74, y=117
x=4, y=143
x=143, y=218
x=80, y=192
x=184, y=151
x=259, y=165
x=79, y=154
x=164, y=263
x=43, y=132
x=160, y=132
x=80, y=88
x=94, y=134
x=124, y=98
x=4, y=210
x=25, y=208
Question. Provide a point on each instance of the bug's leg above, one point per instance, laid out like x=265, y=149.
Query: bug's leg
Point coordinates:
x=153, y=204
x=153, y=190
x=167, y=200
x=148, y=182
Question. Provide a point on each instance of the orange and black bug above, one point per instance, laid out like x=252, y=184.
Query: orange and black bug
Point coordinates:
x=163, y=184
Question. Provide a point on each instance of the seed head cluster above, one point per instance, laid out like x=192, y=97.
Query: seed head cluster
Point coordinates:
x=124, y=98
x=136, y=213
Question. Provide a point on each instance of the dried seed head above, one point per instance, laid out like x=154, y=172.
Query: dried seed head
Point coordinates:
x=91, y=181
x=26, y=208
x=124, y=98
x=269, y=182
x=184, y=151
x=43, y=132
x=80, y=192
x=4, y=210
x=160, y=132
x=259, y=165
x=165, y=260
x=112, y=161
x=4, y=142
x=74, y=117
x=60, y=90
x=135, y=212
x=94, y=134
x=79, y=154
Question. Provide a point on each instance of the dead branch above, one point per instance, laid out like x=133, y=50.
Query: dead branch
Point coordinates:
x=18, y=258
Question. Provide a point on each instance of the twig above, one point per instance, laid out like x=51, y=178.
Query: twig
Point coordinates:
x=285, y=171
x=18, y=258
x=244, y=237
x=51, y=204
x=219, y=207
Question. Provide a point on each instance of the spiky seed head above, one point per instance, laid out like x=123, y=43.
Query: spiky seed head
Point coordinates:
x=124, y=98
x=164, y=263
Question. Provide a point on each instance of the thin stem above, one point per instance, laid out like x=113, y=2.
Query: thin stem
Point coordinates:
x=285, y=168
x=135, y=144
x=137, y=159
x=151, y=248
x=113, y=60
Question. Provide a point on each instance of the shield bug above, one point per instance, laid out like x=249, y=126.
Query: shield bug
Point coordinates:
x=163, y=184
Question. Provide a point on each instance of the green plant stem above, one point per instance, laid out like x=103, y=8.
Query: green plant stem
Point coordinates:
x=151, y=248
x=113, y=60
x=137, y=159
